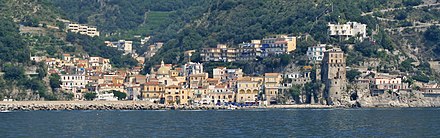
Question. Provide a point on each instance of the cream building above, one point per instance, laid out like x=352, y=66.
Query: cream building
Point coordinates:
x=83, y=29
x=279, y=44
x=272, y=85
x=248, y=89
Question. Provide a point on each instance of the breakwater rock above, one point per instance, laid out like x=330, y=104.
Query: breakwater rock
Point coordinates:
x=125, y=105
x=97, y=105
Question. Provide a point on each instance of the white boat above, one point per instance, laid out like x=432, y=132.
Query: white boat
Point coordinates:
x=232, y=107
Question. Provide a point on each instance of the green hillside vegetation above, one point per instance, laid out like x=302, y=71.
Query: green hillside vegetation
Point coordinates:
x=236, y=21
x=14, y=61
x=29, y=12
x=123, y=17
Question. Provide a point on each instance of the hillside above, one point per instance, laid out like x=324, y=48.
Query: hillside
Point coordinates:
x=188, y=25
x=192, y=25
x=134, y=17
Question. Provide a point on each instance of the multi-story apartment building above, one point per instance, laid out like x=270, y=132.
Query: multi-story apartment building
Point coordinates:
x=382, y=83
x=249, y=51
x=272, y=86
x=248, y=89
x=152, y=91
x=192, y=68
x=297, y=78
x=279, y=44
x=83, y=29
x=219, y=54
x=221, y=94
x=349, y=29
x=73, y=83
x=99, y=63
x=177, y=95
x=224, y=74
x=316, y=53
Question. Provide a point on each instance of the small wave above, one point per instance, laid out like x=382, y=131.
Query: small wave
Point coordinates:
x=256, y=110
x=192, y=110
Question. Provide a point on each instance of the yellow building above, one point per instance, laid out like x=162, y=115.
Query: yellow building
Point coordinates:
x=177, y=95
x=152, y=91
x=199, y=93
x=272, y=83
x=248, y=89
x=197, y=80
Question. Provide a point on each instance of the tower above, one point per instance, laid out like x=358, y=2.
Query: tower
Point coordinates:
x=333, y=75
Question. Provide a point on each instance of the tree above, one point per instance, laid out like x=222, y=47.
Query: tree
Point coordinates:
x=13, y=73
x=42, y=71
x=55, y=81
x=295, y=92
x=366, y=48
x=90, y=96
x=352, y=74
x=119, y=94
x=406, y=65
x=432, y=34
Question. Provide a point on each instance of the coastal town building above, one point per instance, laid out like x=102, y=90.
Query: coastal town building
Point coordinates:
x=272, y=86
x=222, y=53
x=220, y=94
x=296, y=78
x=279, y=44
x=122, y=45
x=348, y=30
x=248, y=89
x=82, y=29
x=153, y=91
x=316, y=53
x=249, y=51
x=384, y=82
x=273, y=45
x=73, y=83
x=152, y=49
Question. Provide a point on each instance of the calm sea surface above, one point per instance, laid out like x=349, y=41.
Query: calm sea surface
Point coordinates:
x=415, y=122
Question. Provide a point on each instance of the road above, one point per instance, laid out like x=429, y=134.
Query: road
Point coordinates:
x=401, y=8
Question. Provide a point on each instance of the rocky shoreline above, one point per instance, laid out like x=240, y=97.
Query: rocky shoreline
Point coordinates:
x=123, y=105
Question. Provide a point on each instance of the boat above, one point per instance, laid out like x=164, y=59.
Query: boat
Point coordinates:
x=232, y=107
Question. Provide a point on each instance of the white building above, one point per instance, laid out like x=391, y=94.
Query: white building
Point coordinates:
x=316, y=53
x=224, y=74
x=83, y=29
x=350, y=29
x=122, y=45
x=192, y=68
x=145, y=40
x=73, y=83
